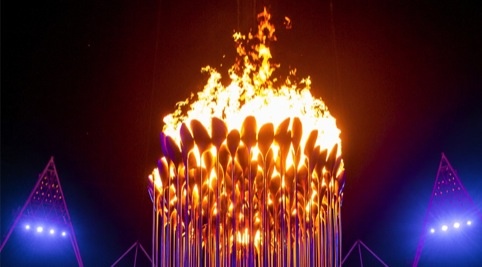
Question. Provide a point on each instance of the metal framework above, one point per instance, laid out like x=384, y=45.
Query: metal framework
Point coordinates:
x=136, y=245
x=448, y=196
x=47, y=202
x=359, y=244
x=285, y=219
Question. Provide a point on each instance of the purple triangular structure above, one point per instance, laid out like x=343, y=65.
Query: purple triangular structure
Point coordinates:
x=449, y=199
x=136, y=245
x=47, y=202
x=359, y=244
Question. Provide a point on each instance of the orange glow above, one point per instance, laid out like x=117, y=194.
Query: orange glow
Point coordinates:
x=255, y=159
x=252, y=92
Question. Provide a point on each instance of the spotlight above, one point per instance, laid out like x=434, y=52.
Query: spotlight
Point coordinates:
x=469, y=222
x=64, y=233
x=432, y=230
x=444, y=227
x=40, y=229
x=456, y=225
x=27, y=227
x=52, y=231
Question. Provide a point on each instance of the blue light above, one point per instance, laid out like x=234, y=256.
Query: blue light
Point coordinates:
x=444, y=228
x=469, y=223
x=432, y=230
x=43, y=229
x=456, y=225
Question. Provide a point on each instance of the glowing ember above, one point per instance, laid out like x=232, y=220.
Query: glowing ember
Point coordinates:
x=252, y=172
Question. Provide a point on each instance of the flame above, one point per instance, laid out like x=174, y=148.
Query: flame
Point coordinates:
x=247, y=165
x=252, y=92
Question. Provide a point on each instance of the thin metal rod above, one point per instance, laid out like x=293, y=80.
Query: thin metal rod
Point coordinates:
x=145, y=253
x=123, y=255
x=374, y=255
x=135, y=256
x=423, y=236
x=72, y=233
x=359, y=254
x=349, y=252
x=24, y=207
x=154, y=232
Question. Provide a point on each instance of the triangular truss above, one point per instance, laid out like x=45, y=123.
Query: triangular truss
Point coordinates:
x=46, y=202
x=136, y=245
x=359, y=244
x=449, y=199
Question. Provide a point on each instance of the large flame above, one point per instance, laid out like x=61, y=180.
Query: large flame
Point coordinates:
x=252, y=92
x=252, y=172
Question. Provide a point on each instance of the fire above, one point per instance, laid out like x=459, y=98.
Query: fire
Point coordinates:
x=246, y=166
x=252, y=92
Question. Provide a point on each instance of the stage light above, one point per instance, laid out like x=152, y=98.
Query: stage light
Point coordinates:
x=27, y=227
x=444, y=227
x=456, y=225
x=469, y=222
x=52, y=231
x=64, y=233
x=432, y=230
x=40, y=229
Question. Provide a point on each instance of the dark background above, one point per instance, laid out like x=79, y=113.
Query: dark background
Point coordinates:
x=89, y=82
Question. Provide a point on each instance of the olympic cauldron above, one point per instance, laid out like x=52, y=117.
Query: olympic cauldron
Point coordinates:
x=251, y=173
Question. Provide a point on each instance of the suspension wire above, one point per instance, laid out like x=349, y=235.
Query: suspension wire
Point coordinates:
x=239, y=15
x=247, y=11
x=155, y=85
x=335, y=48
x=155, y=78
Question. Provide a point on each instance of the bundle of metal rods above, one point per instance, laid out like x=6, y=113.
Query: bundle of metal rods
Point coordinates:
x=254, y=196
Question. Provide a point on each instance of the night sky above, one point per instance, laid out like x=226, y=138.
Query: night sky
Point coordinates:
x=89, y=82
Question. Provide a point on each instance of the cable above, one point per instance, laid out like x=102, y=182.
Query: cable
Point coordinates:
x=335, y=49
